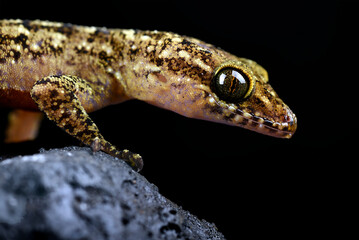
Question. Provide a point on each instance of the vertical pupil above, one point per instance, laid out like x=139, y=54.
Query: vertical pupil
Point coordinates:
x=234, y=84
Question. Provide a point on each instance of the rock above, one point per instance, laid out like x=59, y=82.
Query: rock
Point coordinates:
x=72, y=193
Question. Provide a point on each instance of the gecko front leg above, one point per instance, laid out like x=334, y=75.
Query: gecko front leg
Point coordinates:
x=58, y=97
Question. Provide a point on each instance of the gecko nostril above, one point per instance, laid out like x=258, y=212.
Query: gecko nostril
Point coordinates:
x=288, y=119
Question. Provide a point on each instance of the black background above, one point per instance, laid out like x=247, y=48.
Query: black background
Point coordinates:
x=246, y=183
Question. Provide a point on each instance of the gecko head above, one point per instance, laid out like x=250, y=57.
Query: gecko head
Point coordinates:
x=201, y=81
x=240, y=95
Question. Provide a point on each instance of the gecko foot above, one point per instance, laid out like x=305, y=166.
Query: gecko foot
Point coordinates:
x=132, y=159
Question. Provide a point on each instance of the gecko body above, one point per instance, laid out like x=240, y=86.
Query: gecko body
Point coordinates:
x=67, y=71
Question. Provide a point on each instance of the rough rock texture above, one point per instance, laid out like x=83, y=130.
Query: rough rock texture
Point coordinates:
x=73, y=193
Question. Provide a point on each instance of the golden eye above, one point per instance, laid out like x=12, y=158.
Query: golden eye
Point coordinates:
x=231, y=84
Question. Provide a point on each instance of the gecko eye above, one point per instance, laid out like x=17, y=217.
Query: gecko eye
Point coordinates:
x=231, y=84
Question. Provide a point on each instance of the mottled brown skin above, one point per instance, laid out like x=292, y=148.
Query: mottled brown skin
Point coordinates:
x=67, y=71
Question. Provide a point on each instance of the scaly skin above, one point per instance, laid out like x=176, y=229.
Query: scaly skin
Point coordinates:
x=68, y=71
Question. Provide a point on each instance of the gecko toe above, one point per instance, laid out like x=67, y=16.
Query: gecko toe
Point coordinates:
x=137, y=160
x=96, y=145
x=133, y=159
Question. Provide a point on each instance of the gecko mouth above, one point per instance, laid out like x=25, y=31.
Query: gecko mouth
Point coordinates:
x=280, y=126
x=284, y=129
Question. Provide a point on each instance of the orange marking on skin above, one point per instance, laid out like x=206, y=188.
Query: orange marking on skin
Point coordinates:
x=23, y=126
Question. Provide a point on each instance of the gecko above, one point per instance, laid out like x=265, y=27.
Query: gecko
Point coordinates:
x=67, y=71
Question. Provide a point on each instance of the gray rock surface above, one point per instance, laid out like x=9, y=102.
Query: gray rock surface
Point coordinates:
x=72, y=193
